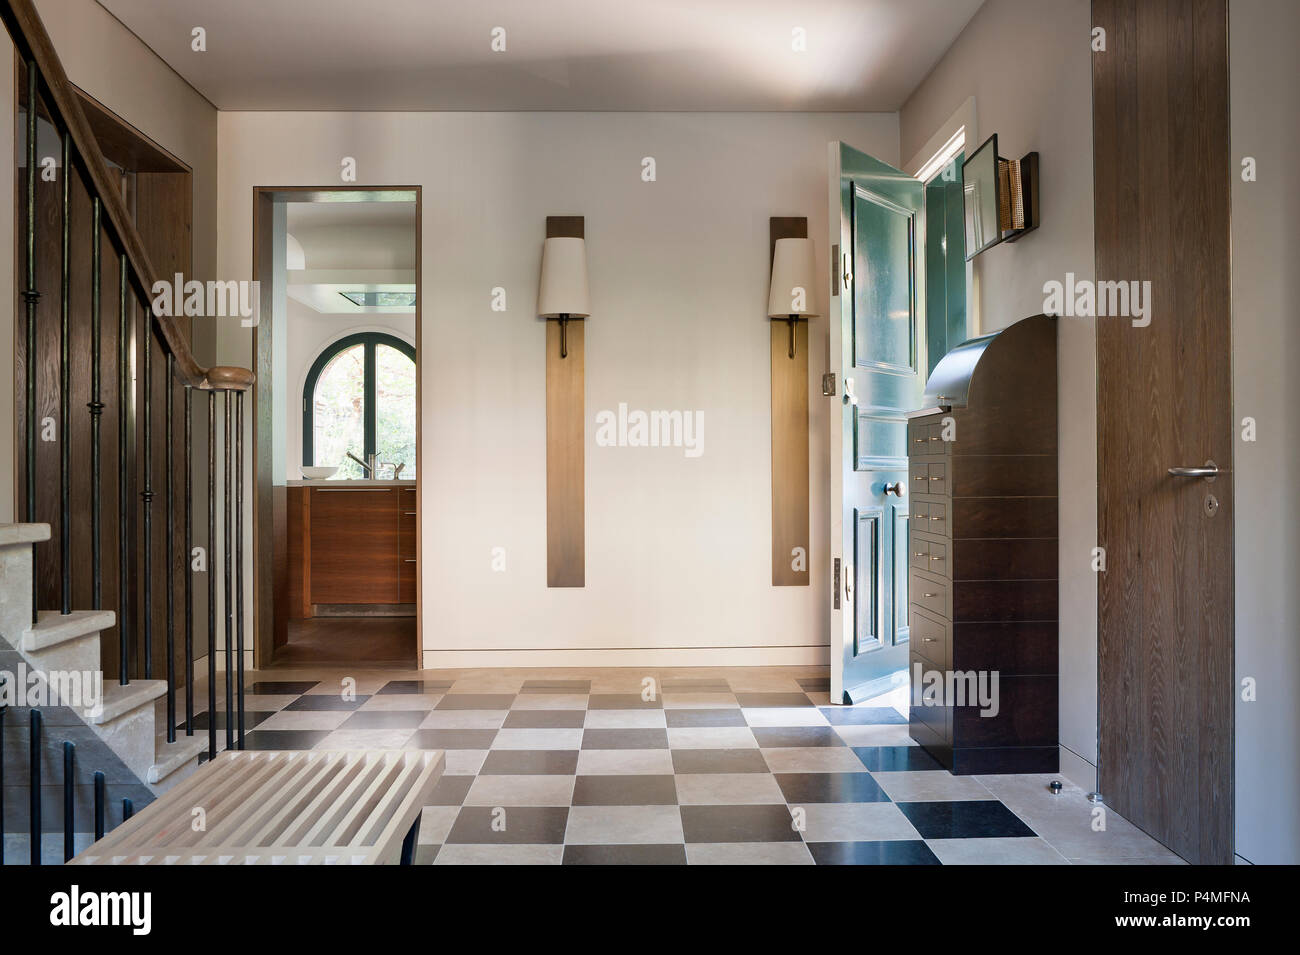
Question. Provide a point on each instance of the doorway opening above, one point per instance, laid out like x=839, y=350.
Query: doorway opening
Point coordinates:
x=336, y=465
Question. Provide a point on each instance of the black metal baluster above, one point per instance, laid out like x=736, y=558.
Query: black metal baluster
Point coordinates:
x=34, y=787
x=4, y=679
x=69, y=768
x=31, y=297
x=65, y=390
x=212, y=577
x=123, y=468
x=128, y=809
x=146, y=495
x=239, y=555
x=96, y=407
x=189, y=561
x=170, y=576
x=227, y=475
x=99, y=806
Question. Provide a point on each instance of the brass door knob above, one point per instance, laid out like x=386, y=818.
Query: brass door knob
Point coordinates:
x=897, y=488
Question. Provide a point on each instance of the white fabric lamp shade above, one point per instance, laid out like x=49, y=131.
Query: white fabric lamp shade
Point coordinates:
x=563, y=289
x=794, y=278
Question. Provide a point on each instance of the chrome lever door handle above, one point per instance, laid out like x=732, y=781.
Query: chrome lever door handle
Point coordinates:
x=1209, y=471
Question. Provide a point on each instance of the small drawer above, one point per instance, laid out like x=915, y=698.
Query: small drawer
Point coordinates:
x=931, y=638
x=928, y=594
x=918, y=477
x=936, y=478
x=935, y=520
x=927, y=707
x=919, y=553
x=936, y=558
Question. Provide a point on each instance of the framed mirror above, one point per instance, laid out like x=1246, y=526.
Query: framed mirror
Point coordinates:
x=982, y=198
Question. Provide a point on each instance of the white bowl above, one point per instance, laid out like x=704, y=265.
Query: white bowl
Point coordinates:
x=318, y=474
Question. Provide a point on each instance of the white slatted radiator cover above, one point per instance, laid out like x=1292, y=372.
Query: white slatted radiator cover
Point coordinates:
x=281, y=808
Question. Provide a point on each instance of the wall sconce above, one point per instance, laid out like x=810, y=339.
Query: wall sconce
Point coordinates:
x=793, y=278
x=791, y=298
x=563, y=292
x=563, y=295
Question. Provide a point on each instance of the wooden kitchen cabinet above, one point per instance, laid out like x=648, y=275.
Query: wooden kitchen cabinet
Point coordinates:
x=350, y=546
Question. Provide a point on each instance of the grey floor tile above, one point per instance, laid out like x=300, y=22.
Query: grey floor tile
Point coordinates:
x=488, y=825
x=625, y=855
x=738, y=824
x=718, y=761
x=624, y=790
x=625, y=739
x=522, y=762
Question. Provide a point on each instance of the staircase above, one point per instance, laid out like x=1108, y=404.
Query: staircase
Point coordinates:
x=129, y=716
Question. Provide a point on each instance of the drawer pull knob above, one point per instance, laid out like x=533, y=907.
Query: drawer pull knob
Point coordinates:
x=919, y=477
x=937, y=518
x=929, y=595
x=939, y=478
x=934, y=558
x=918, y=554
x=934, y=439
x=927, y=639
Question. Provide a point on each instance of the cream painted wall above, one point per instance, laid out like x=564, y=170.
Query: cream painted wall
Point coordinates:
x=678, y=566
x=1266, y=353
x=1044, y=102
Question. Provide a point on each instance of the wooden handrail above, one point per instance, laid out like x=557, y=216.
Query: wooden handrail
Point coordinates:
x=34, y=44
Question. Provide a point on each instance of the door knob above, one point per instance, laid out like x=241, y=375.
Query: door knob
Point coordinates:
x=896, y=488
x=1209, y=471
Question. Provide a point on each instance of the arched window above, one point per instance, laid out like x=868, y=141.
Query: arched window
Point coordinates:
x=360, y=397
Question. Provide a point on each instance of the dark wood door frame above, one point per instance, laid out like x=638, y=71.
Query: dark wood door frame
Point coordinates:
x=1162, y=168
x=270, y=506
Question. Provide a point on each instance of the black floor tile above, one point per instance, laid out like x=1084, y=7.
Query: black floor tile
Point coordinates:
x=476, y=701
x=625, y=739
x=325, y=701
x=718, y=761
x=804, y=788
x=889, y=852
x=625, y=855
x=556, y=686
x=201, y=720
x=530, y=762
x=862, y=715
x=738, y=824
x=622, y=701
x=544, y=719
x=513, y=825
x=726, y=716
x=283, y=739
x=620, y=790
x=773, y=699
x=415, y=686
x=281, y=687
x=967, y=819
x=770, y=737
x=452, y=739
x=384, y=720
x=896, y=759
x=451, y=790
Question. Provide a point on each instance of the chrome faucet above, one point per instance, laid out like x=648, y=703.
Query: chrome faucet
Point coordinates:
x=369, y=468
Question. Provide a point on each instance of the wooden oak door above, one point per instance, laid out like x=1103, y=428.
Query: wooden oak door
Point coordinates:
x=1164, y=400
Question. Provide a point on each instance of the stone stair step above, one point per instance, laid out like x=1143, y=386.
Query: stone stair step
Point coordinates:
x=120, y=700
x=53, y=628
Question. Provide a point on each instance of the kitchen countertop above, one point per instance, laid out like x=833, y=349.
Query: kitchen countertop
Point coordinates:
x=359, y=482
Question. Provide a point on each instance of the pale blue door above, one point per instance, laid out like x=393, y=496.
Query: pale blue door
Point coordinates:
x=877, y=351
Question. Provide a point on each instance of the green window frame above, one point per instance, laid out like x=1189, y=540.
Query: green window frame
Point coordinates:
x=370, y=340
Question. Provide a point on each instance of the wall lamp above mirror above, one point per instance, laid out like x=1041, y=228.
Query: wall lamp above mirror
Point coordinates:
x=793, y=276
x=563, y=292
x=1000, y=197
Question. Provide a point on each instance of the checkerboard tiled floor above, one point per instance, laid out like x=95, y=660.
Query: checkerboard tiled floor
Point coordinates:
x=717, y=766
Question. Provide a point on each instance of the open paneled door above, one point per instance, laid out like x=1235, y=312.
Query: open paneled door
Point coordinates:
x=877, y=353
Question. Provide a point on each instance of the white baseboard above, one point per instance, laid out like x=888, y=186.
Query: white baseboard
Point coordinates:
x=638, y=657
x=1078, y=770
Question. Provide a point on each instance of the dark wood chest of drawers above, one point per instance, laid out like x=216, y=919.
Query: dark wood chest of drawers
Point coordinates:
x=982, y=584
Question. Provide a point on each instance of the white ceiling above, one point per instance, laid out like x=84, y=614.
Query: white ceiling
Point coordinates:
x=560, y=54
x=352, y=247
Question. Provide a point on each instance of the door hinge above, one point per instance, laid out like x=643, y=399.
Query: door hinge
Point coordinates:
x=828, y=384
x=835, y=584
